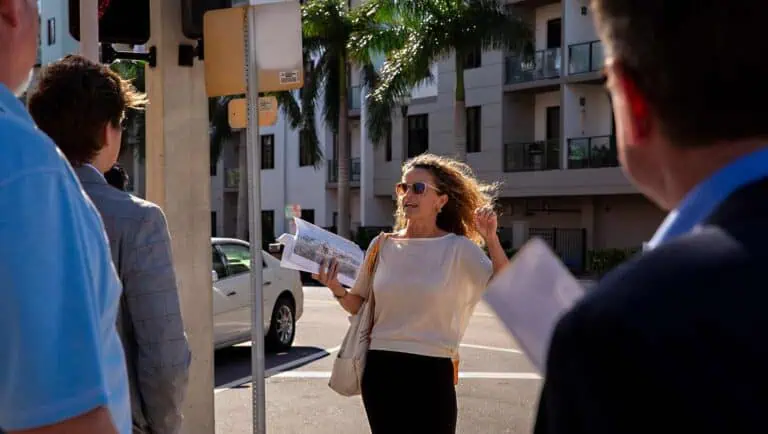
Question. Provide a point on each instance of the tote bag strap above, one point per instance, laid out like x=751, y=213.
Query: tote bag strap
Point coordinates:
x=372, y=266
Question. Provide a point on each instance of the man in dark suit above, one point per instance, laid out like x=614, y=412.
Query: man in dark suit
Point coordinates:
x=676, y=340
x=81, y=105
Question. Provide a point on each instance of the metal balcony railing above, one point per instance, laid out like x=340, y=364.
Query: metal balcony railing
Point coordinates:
x=530, y=156
x=544, y=64
x=354, y=98
x=585, y=57
x=592, y=152
x=354, y=170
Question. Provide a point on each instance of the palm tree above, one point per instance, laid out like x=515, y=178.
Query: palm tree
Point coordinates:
x=329, y=28
x=433, y=30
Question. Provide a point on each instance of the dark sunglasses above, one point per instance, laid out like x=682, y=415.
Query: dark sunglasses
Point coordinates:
x=417, y=188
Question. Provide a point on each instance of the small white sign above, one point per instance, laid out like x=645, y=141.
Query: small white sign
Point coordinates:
x=288, y=77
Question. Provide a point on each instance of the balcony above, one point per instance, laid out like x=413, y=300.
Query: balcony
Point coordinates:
x=544, y=65
x=585, y=57
x=354, y=98
x=333, y=170
x=592, y=152
x=532, y=156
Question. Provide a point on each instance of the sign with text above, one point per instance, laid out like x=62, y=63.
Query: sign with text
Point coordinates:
x=238, y=112
x=278, y=48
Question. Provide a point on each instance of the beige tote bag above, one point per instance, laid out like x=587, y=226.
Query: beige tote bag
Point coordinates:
x=347, y=374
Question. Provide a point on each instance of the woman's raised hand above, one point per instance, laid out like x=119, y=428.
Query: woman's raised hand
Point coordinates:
x=486, y=222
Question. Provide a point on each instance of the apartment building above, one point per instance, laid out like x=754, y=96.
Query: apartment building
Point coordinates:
x=543, y=127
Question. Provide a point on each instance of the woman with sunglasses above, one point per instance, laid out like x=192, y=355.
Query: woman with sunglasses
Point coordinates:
x=430, y=276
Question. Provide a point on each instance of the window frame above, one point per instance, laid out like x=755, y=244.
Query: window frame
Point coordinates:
x=474, y=128
x=267, y=140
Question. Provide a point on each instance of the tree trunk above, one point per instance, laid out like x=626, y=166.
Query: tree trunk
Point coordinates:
x=343, y=159
x=460, y=111
x=242, y=188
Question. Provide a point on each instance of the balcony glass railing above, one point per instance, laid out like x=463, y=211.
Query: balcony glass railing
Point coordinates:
x=585, y=57
x=529, y=156
x=592, y=152
x=354, y=170
x=543, y=65
x=354, y=98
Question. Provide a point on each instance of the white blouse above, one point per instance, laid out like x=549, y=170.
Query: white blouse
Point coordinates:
x=425, y=290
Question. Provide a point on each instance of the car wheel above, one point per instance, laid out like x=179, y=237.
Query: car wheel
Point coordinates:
x=282, y=326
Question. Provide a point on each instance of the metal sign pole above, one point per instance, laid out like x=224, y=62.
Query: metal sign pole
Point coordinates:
x=254, y=216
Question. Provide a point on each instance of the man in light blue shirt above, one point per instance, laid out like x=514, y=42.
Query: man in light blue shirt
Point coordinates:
x=62, y=367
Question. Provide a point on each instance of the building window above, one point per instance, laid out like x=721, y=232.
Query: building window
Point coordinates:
x=213, y=167
x=418, y=135
x=267, y=228
x=51, y=31
x=268, y=151
x=305, y=152
x=474, y=58
x=213, y=223
x=308, y=215
x=388, y=144
x=474, y=125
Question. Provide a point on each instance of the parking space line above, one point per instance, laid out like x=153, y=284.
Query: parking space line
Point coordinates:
x=466, y=375
x=500, y=349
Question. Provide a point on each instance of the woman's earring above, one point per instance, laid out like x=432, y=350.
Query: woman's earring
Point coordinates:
x=439, y=210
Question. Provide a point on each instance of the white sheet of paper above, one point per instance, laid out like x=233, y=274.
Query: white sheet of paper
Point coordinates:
x=530, y=295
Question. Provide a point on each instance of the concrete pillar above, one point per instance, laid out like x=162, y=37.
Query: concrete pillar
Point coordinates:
x=367, y=161
x=178, y=179
x=89, y=29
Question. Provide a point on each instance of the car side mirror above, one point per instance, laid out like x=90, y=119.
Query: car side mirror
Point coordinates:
x=214, y=275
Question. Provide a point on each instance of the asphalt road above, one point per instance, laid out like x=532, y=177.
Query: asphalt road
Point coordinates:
x=497, y=391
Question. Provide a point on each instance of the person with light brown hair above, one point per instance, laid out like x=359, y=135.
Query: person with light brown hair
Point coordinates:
x=81, y=105
x=431, y=274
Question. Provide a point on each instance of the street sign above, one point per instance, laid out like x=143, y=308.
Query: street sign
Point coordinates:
x=224, y=51
x=278, y=46
x=277, y=39
x=238, y=112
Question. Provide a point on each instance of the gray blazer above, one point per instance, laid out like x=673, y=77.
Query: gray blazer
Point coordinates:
x=149, y=322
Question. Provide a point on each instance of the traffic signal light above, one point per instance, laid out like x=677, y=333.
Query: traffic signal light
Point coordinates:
x=192, y=12
x=120, y=21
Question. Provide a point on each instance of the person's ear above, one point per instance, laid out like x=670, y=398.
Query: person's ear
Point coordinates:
x=10, y=12
x=442, y=200
x=630, y=106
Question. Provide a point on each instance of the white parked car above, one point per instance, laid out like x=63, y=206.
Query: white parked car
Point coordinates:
x=283, y=296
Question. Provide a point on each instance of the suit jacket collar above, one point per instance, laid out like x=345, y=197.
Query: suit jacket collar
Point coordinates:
x=90, y=175
x=745, y=204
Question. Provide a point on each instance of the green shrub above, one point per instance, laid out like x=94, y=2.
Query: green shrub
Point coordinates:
x=601, y=261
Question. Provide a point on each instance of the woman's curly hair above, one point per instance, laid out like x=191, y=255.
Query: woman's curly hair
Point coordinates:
x=465, y=194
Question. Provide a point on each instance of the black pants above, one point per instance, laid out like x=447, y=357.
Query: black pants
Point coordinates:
x=406, y=393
